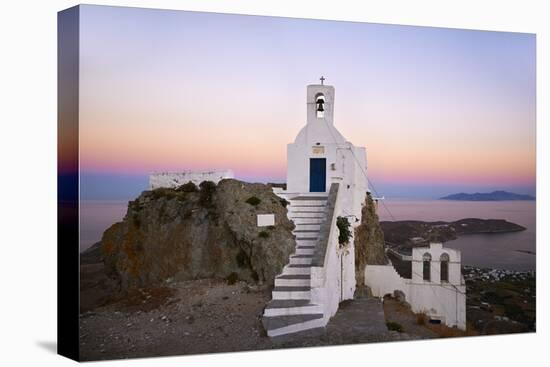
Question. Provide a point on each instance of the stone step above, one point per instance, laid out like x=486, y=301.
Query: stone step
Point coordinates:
x=291, y=311
x=306, y=212
x=300, y=259
x=299, y=221
x=287, y=292
x=306, y=203
x=291, y=307
x=305, y=233
x=312, y=241
x=281, y=325
x=309, y=196
x=308, y=200
x=306, y=243
x=307, y=216
x=304, y=251
x=294, y=280
x=307, y=246
x=292, y=269
x=305, y=209
x=307, y=227
x=309, y=238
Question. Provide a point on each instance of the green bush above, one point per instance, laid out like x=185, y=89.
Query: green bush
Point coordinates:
x=263, y=234
x=253, y=200
x=394, y=326
x=514, y=312
x=242, y=259
x=163, y=192
x=135, y=205
x=343, y=226
x=254, y=275
x=284, y=202
x=136, y=220
x=232, y=278
x=188, y=187
x=493, y=298
x=208, y=188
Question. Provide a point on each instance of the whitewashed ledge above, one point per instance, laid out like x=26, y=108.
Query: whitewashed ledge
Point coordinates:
x=175, y=179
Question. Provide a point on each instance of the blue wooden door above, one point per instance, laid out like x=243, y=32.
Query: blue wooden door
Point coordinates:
x=317, y=174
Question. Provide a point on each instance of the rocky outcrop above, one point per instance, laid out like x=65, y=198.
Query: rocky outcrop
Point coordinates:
x=206, y=232
x=369, y=241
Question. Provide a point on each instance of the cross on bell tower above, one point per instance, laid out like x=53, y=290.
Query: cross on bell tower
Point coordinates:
x=322, y=79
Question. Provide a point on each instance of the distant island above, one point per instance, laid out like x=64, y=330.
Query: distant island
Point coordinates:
x=488, y=196
x=418, y=233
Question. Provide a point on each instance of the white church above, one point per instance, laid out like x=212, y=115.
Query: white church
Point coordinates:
x=327, y=179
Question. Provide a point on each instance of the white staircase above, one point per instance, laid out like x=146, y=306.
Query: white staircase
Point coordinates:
x=291, y=310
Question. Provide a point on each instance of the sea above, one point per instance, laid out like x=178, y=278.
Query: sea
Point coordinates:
x=511, y=251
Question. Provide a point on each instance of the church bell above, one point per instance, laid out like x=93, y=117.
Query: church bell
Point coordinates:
x=320, y=107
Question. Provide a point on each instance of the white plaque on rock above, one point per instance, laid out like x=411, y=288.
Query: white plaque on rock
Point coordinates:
x=265, y=220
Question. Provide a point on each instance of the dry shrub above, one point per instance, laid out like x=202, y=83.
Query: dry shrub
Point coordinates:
x=445, y=331
x=421, y=318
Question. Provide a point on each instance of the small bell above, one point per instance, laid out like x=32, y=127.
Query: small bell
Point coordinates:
x=320, y=107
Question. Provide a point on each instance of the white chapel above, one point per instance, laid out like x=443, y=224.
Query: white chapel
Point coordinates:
x=326, y=179
x=327, y=182
x=320, y=155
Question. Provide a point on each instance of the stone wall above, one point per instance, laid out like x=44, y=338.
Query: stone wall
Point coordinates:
x=175, y=179
x=445, y=301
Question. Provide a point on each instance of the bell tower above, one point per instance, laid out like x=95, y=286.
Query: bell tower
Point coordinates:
x=320, y=155
x=320, y=103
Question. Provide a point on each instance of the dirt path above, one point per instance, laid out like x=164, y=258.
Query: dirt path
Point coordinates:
x=202, y=316
x=210, y=316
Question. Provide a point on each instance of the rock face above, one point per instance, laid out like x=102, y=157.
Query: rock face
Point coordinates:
x=369, y=241
x=191, y=233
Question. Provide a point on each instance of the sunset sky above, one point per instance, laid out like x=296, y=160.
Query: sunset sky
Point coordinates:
x=438, y=110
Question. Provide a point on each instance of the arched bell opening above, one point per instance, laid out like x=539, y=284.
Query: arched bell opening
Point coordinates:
x=320, y=105
x=444, y=267
x=426, y=264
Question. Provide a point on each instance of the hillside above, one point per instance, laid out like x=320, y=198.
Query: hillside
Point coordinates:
x=413, y=232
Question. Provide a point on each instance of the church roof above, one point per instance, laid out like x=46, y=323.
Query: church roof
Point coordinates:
x=319, y=132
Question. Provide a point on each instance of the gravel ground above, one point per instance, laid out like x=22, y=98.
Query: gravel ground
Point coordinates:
x=201, y=316
x=210, y=316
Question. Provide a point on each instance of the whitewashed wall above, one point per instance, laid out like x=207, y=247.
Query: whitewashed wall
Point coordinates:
x=347, y=258
x=439, y=300
x=175, y=179
x=326, y=280
x=436, y=250
x=383, y=279
x=349, y=283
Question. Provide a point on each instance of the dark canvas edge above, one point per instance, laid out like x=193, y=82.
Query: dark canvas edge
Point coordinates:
x=68, y=266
